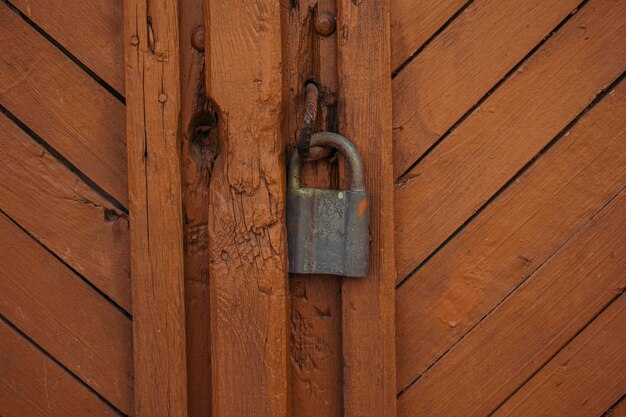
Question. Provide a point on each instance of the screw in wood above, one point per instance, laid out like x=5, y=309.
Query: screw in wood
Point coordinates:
x=325, y=23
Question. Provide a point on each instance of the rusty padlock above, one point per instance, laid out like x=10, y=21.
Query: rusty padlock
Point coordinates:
x=328, y=230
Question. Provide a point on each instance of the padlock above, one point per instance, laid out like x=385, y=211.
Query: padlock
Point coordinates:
x=328, y=230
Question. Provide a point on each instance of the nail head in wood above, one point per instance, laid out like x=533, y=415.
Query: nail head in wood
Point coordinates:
x=134, y=40
x=325, y=23
x=162, y=97
x=197, y=38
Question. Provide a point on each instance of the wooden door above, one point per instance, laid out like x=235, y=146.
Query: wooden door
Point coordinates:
x=151, y=136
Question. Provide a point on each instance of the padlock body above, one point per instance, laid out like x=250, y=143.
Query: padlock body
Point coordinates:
x=328, y=231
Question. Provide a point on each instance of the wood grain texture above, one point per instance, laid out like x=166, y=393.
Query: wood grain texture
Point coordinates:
x=512, y=237
x=617, y=410
x=529, y=326
x=90, y=30
x=365, y=118
x=153, y=102
x=508, y=130
x=247, y=239
x=66, y=317
x=199, y=136
x=316, y=372
x=585, y=378
x=414, y=22
x=62, y=104
x=460, y=66
x=33, y=385
x=64, y=213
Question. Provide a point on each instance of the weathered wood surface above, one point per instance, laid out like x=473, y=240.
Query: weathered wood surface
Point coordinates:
x=90, y=30
x=64, y=213
x=461, y=65
x=62, y=104
x=198, y=132
x=155, y=196
x=247, y=240
x=586, y=376
x=316, y=372
x=66, y=317
x=364, y=115
x=508, y=130
x=511, y=238
x=529, y=326
x=33, y=385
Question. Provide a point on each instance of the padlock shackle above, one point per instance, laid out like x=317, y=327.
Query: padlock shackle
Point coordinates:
x=339, y=143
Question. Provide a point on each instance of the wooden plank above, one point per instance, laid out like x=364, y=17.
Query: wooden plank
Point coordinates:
x=62, y=104
x=316, y=371
x=414, y=22
x=78, y=327
x=90, y=30
x=617, y=410
x=365, y=118
x=33, y=385
x=153, y=106
x=64, y=213
x=515, y=234
x=585, y=378
x=460, y=66
x=247, y=240
x=530, y=326
x=199, y=149
x=508, y=130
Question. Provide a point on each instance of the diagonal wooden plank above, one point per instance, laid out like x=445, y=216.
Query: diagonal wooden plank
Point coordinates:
x=414, y=22
x=461, y=65
x=508, y=130
x=64, y=213
x=63, y=105
x=585, y=378
x=618, y=409
x=530, y=326
x=91, y=30
x=33, y=385
x=516, y=233
x=66, y=317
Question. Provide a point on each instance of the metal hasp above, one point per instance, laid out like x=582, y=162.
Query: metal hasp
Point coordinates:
x=328, y=230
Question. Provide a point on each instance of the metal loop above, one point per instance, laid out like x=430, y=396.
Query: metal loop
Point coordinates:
x=339, y=143
x=311, y=93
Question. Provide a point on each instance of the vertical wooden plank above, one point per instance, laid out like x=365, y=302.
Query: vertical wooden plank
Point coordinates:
x=247, y=240
x=153, y=139
x=316, y=371
x=198, y=153
x=365, y=118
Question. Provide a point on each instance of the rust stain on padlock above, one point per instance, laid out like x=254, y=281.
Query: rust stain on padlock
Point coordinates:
x=363, y=205
x=328, y=230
